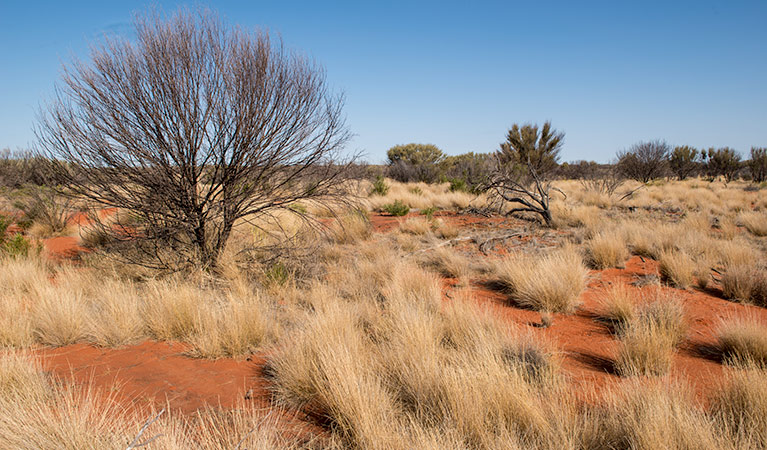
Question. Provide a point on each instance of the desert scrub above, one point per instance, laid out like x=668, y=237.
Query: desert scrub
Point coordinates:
x=649, y=340
x=379, y=187
x=743, y=341
x=606, y=249
x=617, y=308
x=745, y=283
x=398, y=208
x=652, y=414
x=740, y=408
x=387, y=369
x=550, y=282
x=416, y=226
x=754, y=222
x=677, y=268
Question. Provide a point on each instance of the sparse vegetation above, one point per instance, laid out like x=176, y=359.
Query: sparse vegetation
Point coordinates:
x=291, y=299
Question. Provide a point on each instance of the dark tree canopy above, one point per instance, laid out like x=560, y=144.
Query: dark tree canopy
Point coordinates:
x=644, y=161
x=194, y=126
x=415, y=162
x=724, y=162
x=758, y=164
x=684, y=161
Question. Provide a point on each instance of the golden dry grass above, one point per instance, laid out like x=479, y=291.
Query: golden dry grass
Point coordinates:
x=653, y=415
x=745, y=283
x=416, y=225
x=549, y=282
x=648, y=341
x=369, y=342
x=740, y=408
x=754, y=222
x=618, y=307
x=743, y=340
x=606, y=249
x=677, y=268
x=39, y=412
x=422, y=196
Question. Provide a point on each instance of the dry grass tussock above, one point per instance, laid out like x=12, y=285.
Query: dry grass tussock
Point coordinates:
x=66, y=305
x=549, y=282
x=403, y=370
x=746, y=283
x=754, y=222
x=649, y=334
x=421, y=196
x=618, y=307
x=743, y=341
x=38, y=412
x=677, y=268
x=606, y=249
x=740, y=408
x=450, y=263
x=653, y=414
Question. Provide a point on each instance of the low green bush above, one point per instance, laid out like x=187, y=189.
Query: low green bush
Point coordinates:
x=396, y=209
x=379, y=187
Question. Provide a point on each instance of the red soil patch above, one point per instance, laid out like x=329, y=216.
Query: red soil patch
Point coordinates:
x=63, y=247
x=83, y=219
x=158, y=373
x=383, y=223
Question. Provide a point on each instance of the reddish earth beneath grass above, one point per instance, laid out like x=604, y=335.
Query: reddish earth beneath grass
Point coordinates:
x=159, y=373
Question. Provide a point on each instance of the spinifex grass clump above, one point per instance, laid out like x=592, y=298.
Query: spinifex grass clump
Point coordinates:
x=743, y=341
x=549, y=282
x=649, y=339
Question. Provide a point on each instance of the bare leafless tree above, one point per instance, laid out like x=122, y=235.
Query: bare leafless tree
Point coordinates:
x=644, y=161
x=193, y=126
x=523, y=166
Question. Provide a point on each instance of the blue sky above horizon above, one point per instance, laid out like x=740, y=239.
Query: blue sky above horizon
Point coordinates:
x=608, y=74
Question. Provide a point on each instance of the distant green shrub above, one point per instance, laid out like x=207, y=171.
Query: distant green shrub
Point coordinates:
x=18, y=245
x=396, y=209
x=379, y=187
x=429, y=212
x=459, y=184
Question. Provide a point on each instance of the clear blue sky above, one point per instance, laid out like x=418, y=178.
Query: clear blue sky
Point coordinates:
x=458, y=75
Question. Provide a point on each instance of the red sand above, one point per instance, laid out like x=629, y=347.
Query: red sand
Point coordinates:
x=158, y=372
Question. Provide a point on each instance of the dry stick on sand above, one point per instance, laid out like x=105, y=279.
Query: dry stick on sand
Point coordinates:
x=134, y=443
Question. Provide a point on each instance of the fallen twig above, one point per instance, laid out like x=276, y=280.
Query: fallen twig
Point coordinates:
x=134, y=443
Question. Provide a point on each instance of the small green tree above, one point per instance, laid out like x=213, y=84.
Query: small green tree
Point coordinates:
x=758, y=164
x=525, y=145
x=524, y=164
x=415, y=162
x=723, y=162
x=471, y=170
x=684, y=161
